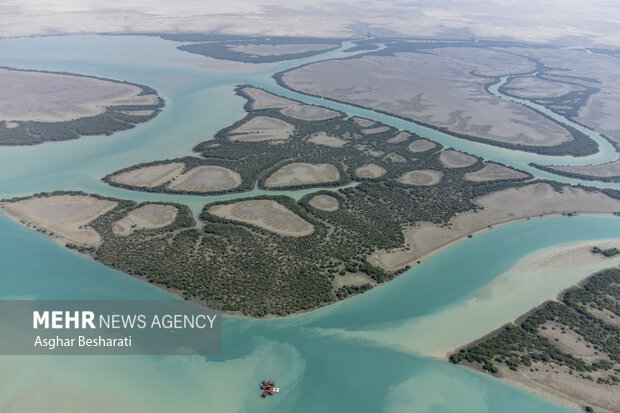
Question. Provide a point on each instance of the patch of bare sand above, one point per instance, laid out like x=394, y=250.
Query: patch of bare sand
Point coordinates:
x=604, y=170
x=308, y=112
x=262, y=128
x=324, y=203
x=508, y=205
x=262, y=99
x=378, y=129
x=424, y=177
x=363, y=122
x=454, y=159
x=402, y=136
x=52, y=97
x=494, y=172
x=262, y=49
x=206, y=178
x=149, y=176
x=421, y=145
x=302, y=174
x=350, y=279
x=66, y=216
x=322, y=138
x=568, y=341
x=557, y=384
x=266, y=214
x=370, y=171
x=146, y=217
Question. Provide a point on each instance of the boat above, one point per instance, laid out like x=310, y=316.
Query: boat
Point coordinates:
x=268, y=388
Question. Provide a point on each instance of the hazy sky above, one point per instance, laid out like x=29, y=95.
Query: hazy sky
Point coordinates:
x=572, y=22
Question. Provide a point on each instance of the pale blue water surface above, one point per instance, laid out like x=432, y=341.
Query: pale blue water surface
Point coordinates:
x=317, y=372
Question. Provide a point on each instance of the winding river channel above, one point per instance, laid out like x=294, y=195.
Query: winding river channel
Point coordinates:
x=370, y=353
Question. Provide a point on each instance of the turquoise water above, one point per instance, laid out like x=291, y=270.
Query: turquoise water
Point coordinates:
x=317, y=372
x=330, y=360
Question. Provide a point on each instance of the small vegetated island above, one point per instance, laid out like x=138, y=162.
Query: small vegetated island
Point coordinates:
x=37, y=106
x=394, y=197
x=253, y=50
x=569, y=347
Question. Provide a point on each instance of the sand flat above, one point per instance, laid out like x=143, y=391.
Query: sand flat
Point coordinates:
x=149, y=216
x=440, y=90
x=401, y=136
x=421, y=145
x=266, y=214
x=206, y=178
x=424, y=177
x=324, y=203
x=300, y=173
x=370, y=171
x=67, y=216
x=363, y=122
x=532, y=87
x=454, y=159
x=262, y=128
x=309, y=112
x=149, y=176
x=262, y=49
x=494, y=172
x=51, y=97
x=563, y=388
x=322, y=138
x=261, y=99
x=378, y=129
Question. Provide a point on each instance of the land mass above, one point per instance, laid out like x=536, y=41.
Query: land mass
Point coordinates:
x=568, y=348
x=270, y=255
x=38, y=106
x=447, y=90
x=254, y=50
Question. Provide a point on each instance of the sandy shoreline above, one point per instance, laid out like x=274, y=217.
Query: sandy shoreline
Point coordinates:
x=549, y=380
x=64, y=218
x=498, y=208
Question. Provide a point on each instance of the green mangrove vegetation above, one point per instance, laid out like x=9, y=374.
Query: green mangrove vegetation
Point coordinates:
x=587, y=312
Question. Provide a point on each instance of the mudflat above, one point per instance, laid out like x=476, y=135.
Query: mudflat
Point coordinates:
x=324, y=203
x=64, y=217
x=206, y=178
x=51, y=97
x=424, y=177
x=262, y=128
x=494, y=172
x=302, y=174
x=149, y=216
x=266, y=214
x=149, y=176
